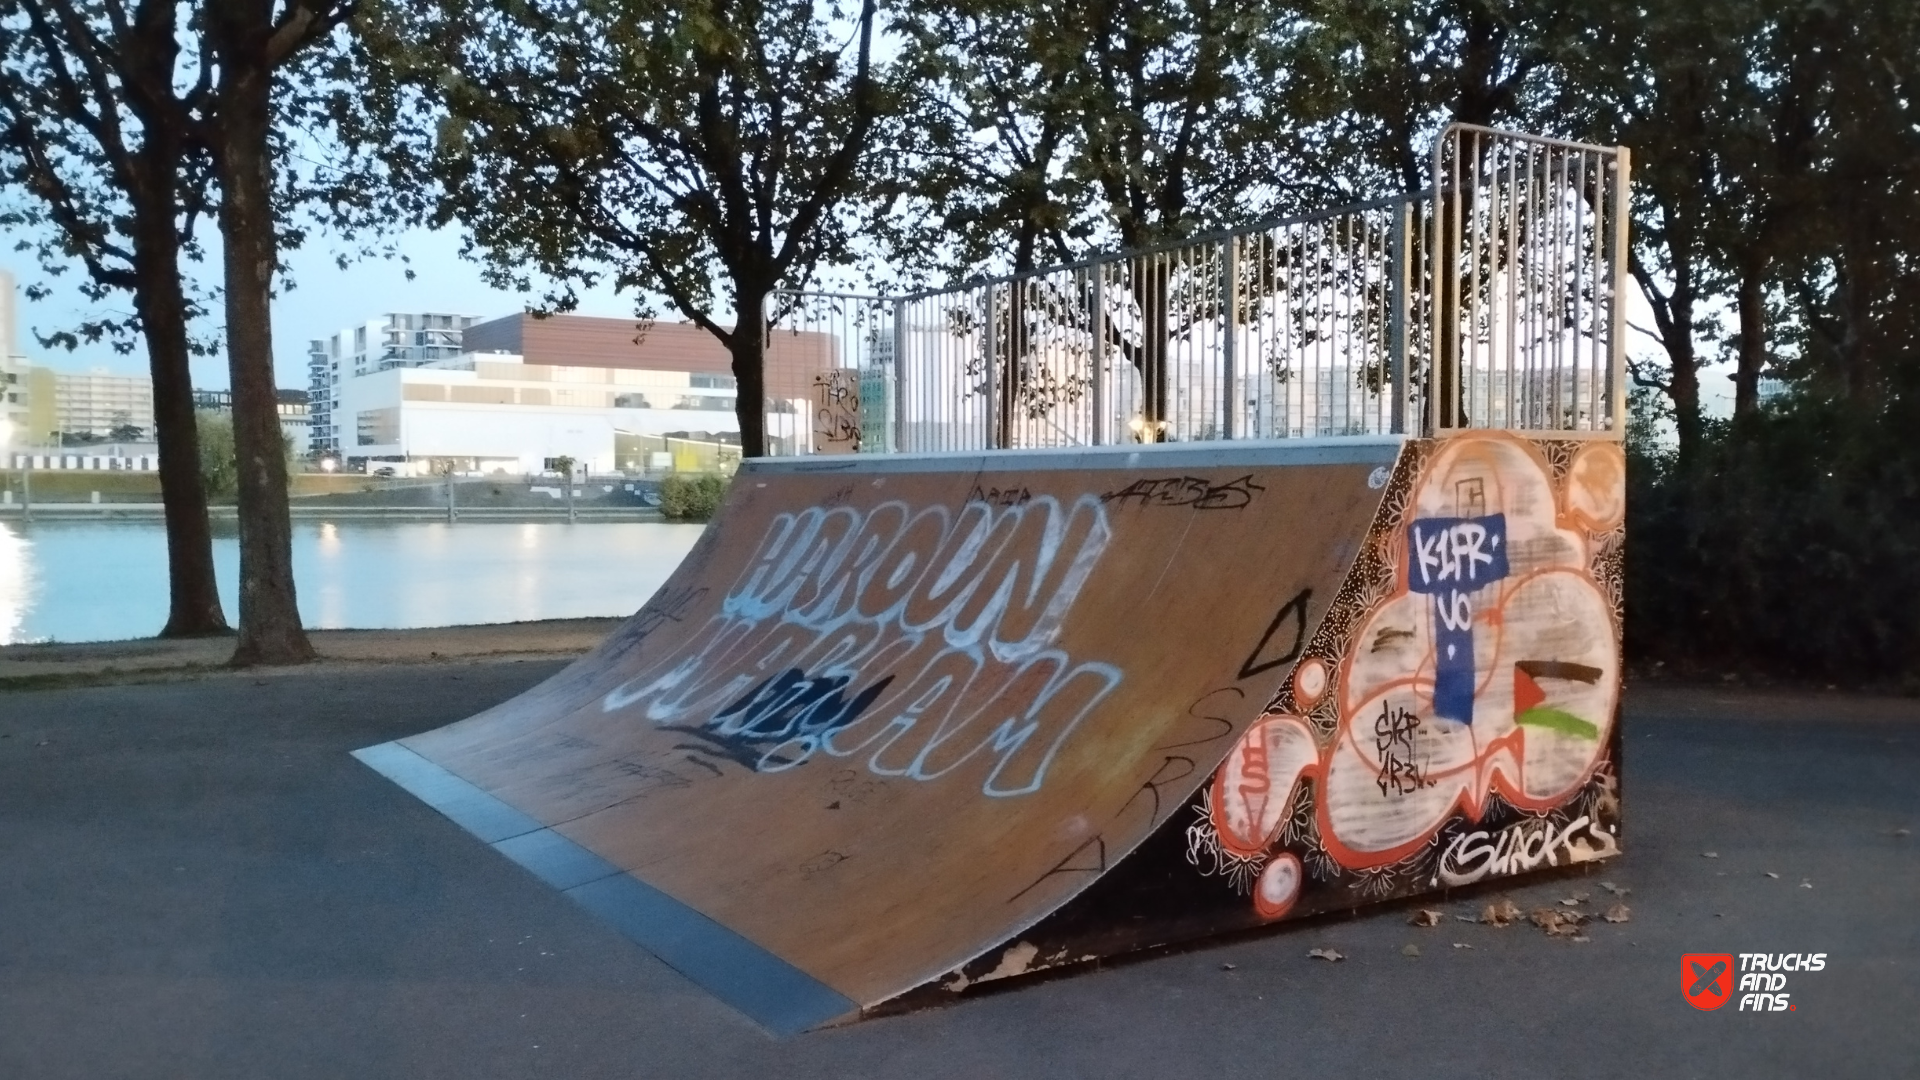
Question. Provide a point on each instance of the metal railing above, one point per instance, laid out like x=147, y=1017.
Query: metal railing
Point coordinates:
x=1528, y=300
x=1492, y=300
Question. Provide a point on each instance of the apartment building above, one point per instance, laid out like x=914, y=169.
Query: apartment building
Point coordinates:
x=394, y=340
x=99, y=405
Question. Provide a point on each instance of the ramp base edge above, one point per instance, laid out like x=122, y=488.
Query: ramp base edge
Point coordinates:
x=773, y=993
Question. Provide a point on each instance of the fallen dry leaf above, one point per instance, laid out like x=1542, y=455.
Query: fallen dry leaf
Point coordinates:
x=1557, y=923
x=1581, y=939
x=1426, y=917
x=1410, y=950
x=1709, y=854
x=1324, y=954
x=1465, y=918
x=1500, y=914
x=1569, y=901
x=1226, y=967
x=1618, y=913
x=1806, y=884
x=1771, y=874
x=1617, y=890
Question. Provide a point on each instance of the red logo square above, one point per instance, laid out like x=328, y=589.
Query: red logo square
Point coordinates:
x=1706, y=979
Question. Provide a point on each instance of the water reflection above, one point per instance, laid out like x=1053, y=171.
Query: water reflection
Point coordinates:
x=103, y=580
x=16, y=579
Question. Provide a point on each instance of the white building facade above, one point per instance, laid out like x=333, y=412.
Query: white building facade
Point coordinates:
x=395, y=340
x=487, y=411
x=14, y=393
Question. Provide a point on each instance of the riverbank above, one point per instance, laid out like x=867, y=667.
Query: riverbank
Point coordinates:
x=340, y=511
x=160, y=660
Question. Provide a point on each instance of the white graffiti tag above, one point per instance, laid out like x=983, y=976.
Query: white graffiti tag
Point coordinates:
x=1524, y=846
x=919, y=639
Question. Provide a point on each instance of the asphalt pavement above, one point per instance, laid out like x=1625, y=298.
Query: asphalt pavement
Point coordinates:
x=196, y=880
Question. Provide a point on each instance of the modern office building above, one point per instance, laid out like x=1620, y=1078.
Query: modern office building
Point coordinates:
x=603, y=392
x=402, y=339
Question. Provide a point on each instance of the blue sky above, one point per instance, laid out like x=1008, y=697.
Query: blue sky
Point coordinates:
x=325, y=299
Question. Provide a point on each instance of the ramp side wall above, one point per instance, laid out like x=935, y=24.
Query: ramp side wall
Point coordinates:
x=1454, y=720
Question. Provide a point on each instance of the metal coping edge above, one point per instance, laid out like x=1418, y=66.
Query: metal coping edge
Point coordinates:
x=773, y=993
x=1350, y=450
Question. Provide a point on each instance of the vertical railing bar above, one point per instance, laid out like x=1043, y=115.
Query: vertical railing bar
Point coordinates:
x=1579, y=264
x=1349, y=380
x=1508, y=254
x=992, y=369
x=1616, y=370
x=1471, y=246
x=1100, y=418
x=1397, y=284
x=1596, y=203
x=1555, y=315
x=1229, y=320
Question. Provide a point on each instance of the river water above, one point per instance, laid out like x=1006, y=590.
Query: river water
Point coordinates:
x=107, y=580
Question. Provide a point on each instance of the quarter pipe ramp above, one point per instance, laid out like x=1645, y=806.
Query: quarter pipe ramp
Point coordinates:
x=904, y=724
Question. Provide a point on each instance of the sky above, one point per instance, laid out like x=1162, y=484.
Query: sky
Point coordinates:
x=324, y=299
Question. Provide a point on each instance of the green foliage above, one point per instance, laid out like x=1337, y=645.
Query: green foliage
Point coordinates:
x=219, y=464
x=220, y=459
x=704, y=152
x=692, y=496
x=1789, y=547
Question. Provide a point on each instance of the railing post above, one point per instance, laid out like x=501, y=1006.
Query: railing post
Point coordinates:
x=1099, y=353
x=1230, y=318
x=993, y=388
x=1399, y=287
x=899, y=402
x=1442, y=283
x=1617, y=346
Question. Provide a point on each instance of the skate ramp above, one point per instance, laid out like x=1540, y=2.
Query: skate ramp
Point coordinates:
x=893, y=711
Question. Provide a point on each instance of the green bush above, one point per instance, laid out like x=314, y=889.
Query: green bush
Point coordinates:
x=219, y=468
x=692, y=496
x=219, y=460
x=1789, y=547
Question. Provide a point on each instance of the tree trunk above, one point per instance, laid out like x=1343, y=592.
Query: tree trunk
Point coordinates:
x=193, y=593
x=1673, y=315
x=270, y=631
x=1752, y=355
x=748, y=346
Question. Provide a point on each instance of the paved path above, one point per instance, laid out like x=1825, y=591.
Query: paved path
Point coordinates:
x=150, y=659
x=200, y=883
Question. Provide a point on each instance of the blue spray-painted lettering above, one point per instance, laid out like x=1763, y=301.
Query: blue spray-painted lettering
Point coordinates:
x=1451, y=558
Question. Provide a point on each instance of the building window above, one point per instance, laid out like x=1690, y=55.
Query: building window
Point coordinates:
x=378, y=427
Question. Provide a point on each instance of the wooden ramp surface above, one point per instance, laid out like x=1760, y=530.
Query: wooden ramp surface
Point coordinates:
x=892, y=711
